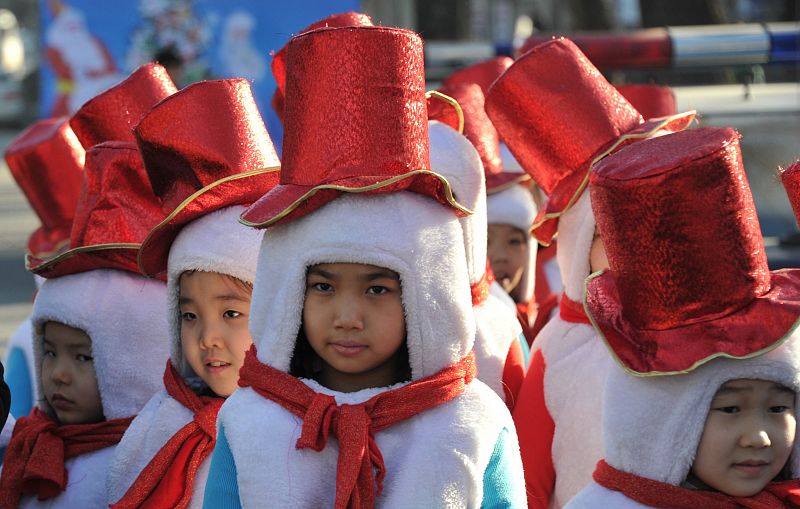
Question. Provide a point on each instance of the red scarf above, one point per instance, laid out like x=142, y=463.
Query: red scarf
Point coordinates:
x=571, y=311
x=480, y=290
x=39, y=447
x=168, y=479
x=354, y=426
x=776, y=495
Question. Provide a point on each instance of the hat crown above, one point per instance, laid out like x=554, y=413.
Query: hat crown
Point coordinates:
x=670, y=268
x=790, y=177
x=46, y=160
x=112, y=114
x=555, y=111
x=345, y=118
x=651, y=101
x=206, y=132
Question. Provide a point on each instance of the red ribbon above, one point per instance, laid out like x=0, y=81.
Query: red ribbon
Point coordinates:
x=480, y=290
x=571, y=311
x=354, y=426
x=776, y=495
x=36, y=455
x=168, y=479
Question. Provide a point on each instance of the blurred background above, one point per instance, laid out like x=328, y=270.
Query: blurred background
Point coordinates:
x=736, y=61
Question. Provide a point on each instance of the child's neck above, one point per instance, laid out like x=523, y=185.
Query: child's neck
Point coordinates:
x=384, y=375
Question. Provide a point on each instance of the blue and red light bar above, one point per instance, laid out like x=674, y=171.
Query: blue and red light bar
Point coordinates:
x=689, y=46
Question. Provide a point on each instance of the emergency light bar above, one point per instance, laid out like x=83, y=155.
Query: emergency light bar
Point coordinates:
x=688, y=46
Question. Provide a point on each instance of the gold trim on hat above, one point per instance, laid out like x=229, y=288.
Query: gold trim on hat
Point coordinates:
x=311, y=192
x=60, y=245
x=696, y=364
x=452, y=102
x=185, y=203
x=523, y=177
x=72, y=252
x=622, y=139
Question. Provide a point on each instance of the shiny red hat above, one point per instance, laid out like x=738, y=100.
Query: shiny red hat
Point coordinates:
x=558, y=115
x=116, y=209
x=652, y=101
x=345, y=19
x=482, y=74
x=46, y=160
x=689, y=279
x=790, y=177
x=356, y=122
x=112, y=114
x=205, y=148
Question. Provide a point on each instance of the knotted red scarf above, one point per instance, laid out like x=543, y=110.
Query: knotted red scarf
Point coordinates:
x=777, y=495
x=354, y=426
x=168, y=479
x=571, y=311
x=480, y=290
x=39, y=447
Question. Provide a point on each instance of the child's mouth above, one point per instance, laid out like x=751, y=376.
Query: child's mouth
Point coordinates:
x=752, y=468
x=348, y=348
x=60, y=402
x=215, y=366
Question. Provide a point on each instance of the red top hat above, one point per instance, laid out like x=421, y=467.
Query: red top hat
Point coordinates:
x=346, y=19
x=116, y=209
x=46, y=160
x=791, y=182
x=689, y=279
x=112, y=114
x=205, y=148
x=559, y=116
x=652, y=101
x=356, y=122
x=482, y=74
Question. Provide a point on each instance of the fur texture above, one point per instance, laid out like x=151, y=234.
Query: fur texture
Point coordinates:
x=575, y=235
x=122, y=313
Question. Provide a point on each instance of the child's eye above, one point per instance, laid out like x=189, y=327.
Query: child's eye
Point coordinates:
x=322, y=287
x=231, y=314
x=779, y=409
x=49, y=353
x=516, y=242
x=188, y=317
x=728, y=409
x=377, y=290
x=84, y=358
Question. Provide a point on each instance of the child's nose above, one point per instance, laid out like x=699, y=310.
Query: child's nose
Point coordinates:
x=211, y=336
x=755, y=436
x=61, y=373
x=349, y=315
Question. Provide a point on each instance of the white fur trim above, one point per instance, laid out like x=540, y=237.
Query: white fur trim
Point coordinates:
x=460, y=435
x=410, y=234
x=123, y=314
x=158, y=422
x=515, y=206
x=86, y=483
x=577, y=364
x=497, y=329
x=575, y=235
x=497, y=291
x=652, y=426
x=595, y=496
x=216, y=242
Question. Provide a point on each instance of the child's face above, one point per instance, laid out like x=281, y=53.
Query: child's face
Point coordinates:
x=508, y=255
x=747, y=439
x=214, y=335
x=353, y=319
x=68, y=380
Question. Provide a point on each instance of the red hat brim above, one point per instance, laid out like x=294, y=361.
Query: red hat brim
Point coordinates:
x=287, y=202
x=46, y=242
x=497, y=182
x=567, y=192
x=758, y=327
x=226, y=192
x=120, y=256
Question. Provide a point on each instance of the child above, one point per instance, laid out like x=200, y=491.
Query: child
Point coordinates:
x=46, y=160
x=557, y=141
x=361, y=308
x=210, y=261
x=498, y=342
x=93, y=312
x=704, y=413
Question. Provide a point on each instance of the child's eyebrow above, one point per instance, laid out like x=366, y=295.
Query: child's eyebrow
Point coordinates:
x=316, y=271
x=231, y=296
x=733, y=390
x=184, y=300
x=382, y=274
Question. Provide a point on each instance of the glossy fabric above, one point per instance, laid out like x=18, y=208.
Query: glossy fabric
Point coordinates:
x=46, y=160
x=117, y=206
x=790, y=177
x=197, y=145
x=689, y=278
x=356, y=116
x=652, y=101
x=112, y=114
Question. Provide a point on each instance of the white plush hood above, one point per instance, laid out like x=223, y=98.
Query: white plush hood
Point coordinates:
x=216, y=242
x=653, y=425
x=410, y=234
x=575, y=235
x=515, y=206
x=123, y=314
